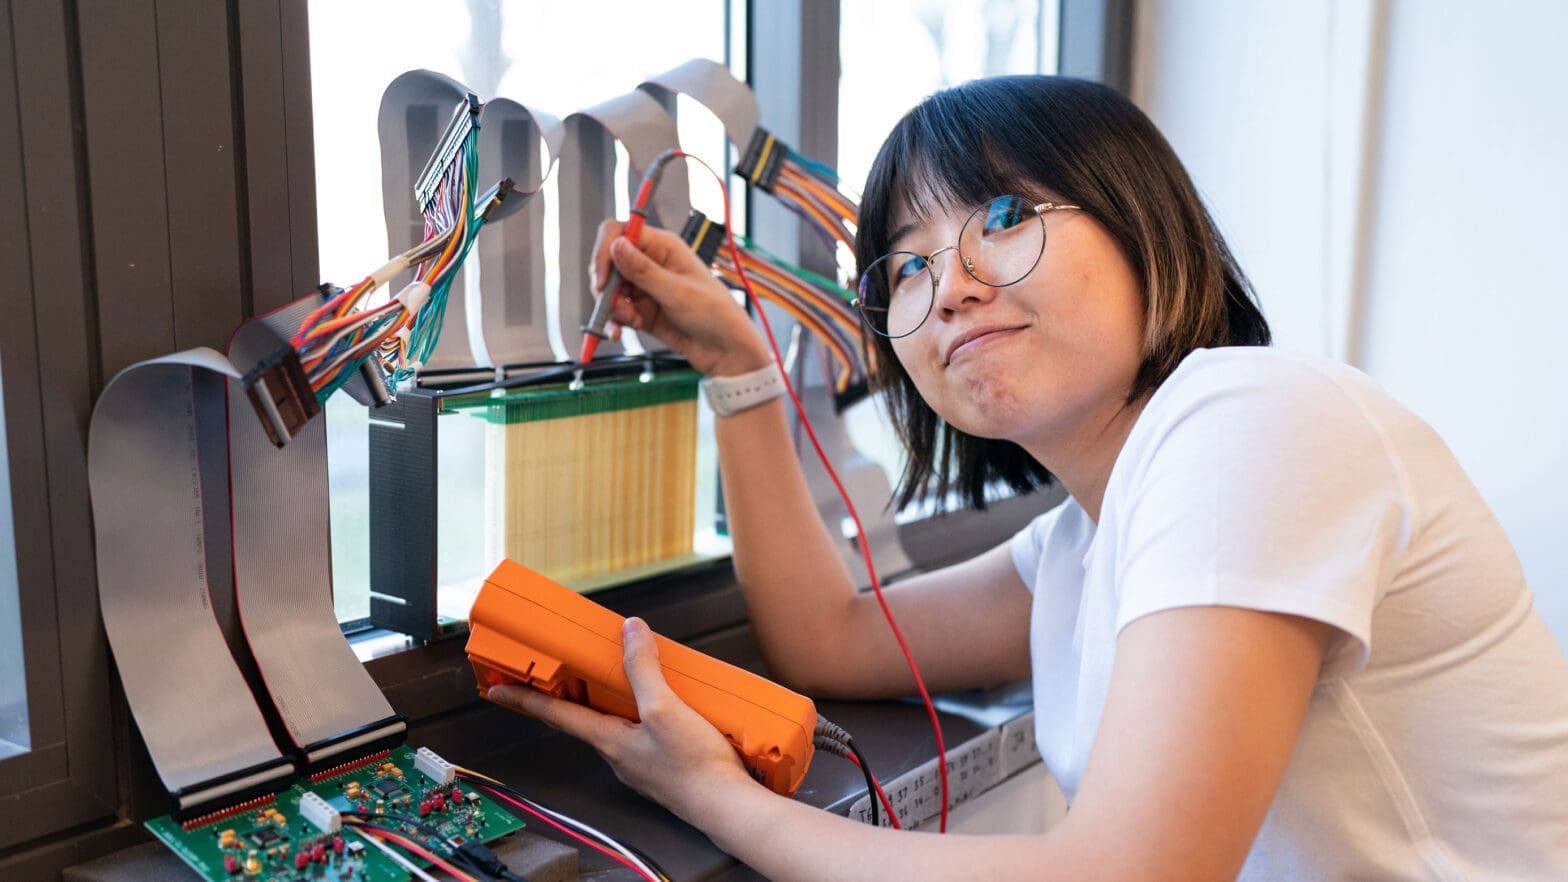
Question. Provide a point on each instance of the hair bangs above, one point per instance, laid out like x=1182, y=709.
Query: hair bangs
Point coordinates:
x=937, y=160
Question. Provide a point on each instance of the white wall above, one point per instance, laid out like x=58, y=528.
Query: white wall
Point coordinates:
x=1392, y=177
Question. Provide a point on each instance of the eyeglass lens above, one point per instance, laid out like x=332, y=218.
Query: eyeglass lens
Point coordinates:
x=998, y=245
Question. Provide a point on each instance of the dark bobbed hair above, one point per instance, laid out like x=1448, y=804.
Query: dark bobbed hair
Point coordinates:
x=1060, y=138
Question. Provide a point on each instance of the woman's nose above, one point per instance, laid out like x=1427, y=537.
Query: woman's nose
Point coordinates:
x=955, y=286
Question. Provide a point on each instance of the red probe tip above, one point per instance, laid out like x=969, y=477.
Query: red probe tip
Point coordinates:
x=590, y=346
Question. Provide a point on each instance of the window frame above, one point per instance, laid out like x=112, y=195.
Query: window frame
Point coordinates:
x=112, y=170
x=68, y=775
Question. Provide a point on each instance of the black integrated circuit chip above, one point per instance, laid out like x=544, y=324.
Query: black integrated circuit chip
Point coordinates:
x=264, y=837
x=387, y=788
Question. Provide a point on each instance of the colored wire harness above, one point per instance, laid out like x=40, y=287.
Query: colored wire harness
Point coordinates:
x=399, y=335
x=815, y=301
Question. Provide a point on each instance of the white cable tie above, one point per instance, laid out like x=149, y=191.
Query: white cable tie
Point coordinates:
x=414, y=296
x=391, y=268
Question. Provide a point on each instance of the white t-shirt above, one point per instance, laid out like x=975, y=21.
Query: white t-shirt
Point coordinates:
x=1436, y=742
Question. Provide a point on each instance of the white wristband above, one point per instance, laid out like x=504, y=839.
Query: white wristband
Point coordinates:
x=731, y=395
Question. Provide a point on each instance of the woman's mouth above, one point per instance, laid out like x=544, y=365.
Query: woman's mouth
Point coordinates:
x=975, y=339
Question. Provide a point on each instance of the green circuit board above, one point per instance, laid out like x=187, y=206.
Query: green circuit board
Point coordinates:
x=264, y=841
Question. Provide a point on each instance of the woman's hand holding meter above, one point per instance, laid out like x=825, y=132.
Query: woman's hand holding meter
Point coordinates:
x=674, y=756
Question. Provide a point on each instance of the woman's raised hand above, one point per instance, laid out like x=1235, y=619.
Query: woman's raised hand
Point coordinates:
x=674, y=297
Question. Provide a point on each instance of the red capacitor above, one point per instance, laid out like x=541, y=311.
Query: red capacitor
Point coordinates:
x=438, y=803
x=424, y=808
x=230, y=864
x=338, y=845
x=318, y=853
x=457, y=794
x=301, y=860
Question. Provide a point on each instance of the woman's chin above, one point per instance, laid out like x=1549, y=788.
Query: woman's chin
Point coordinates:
x=993, y=422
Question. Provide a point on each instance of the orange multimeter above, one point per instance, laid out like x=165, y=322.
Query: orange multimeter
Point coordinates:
x=525, y=628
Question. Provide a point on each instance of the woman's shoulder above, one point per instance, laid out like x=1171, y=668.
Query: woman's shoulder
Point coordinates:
x=1263, y=388
x=1268, y=368
x=1223, y=406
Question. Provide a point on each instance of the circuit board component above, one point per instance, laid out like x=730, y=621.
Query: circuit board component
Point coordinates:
x=300, y=836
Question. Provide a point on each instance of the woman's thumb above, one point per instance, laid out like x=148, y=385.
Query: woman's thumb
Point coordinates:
x=642, y=664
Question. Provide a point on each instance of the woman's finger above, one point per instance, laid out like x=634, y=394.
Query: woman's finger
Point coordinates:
x=599, y=267
x=573, y=719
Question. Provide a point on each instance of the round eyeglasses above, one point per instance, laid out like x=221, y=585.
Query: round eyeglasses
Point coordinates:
x=999, y=244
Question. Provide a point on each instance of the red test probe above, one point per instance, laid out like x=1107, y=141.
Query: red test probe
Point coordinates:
x=597, y=327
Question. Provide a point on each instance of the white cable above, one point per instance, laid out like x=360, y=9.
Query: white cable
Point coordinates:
x=581, y=826
x=405, y=863
x=605, y=838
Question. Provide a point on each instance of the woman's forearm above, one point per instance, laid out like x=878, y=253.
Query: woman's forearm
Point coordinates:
x=795, y=583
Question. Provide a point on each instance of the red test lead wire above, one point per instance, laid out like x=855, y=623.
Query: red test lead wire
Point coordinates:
x=860, y=530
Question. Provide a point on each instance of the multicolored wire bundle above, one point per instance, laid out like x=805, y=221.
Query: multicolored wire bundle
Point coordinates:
x=808, y=188
x=813, y=191
x=401, y=333
x=815, y=301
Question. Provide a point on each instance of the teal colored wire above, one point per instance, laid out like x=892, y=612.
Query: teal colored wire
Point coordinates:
x=822, y=170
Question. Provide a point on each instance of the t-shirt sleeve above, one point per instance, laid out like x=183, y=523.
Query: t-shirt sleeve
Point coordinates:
x=1263, y=484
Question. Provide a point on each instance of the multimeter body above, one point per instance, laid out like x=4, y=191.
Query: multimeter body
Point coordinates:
x=525, y=628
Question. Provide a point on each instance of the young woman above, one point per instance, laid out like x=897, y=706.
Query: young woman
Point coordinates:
x=1274, y=631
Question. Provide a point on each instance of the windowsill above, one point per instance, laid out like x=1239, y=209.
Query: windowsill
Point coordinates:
x=375, y=643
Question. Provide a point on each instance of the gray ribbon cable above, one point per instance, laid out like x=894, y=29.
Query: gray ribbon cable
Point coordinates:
x=642, y=125
x=202, y=726
x=282, y=570
x=714, y=87
x=507, y=318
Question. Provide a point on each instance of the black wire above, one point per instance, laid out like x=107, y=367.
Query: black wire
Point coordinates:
x=431, y=833
x=549, y=375
x=419, y=825
x=871, y=787
x=485, y=783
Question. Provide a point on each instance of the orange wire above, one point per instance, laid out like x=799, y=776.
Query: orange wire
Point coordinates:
x=846, y=370
x=808, y=318
x=850, y=202
x=817, y=298
x=811, y=208
x=827, y=194
x=824, y=301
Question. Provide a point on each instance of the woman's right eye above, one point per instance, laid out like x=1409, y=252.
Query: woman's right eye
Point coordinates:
x=908, y=269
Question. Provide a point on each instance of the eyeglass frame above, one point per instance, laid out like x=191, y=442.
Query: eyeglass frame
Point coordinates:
x=930, y=268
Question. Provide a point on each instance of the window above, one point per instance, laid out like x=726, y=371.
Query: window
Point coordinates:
x=15, y=737
x=929, y=45
x=511, y=50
